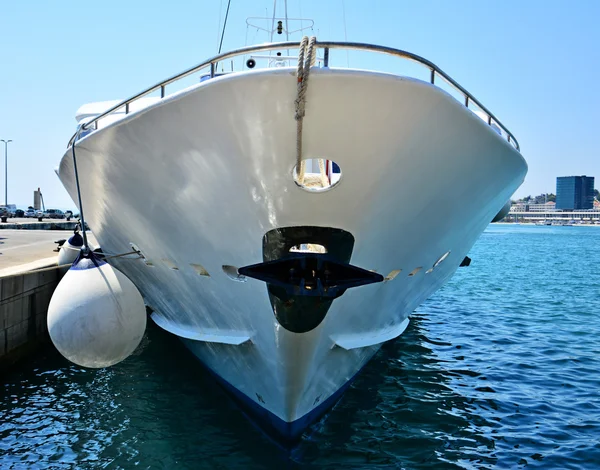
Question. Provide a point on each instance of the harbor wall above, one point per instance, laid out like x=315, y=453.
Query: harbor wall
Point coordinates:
x=24, y=300
x=47, y=225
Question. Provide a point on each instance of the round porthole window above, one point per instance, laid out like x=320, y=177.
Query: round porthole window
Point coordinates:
x=317, y=175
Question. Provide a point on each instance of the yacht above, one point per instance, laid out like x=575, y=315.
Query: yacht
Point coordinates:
x=291, y=212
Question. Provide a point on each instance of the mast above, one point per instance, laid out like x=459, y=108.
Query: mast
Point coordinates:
x=279, y=26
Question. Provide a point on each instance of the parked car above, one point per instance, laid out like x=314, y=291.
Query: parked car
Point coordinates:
x=4, y=212
x=19, y=213
x=55, y=214
x=30, y=213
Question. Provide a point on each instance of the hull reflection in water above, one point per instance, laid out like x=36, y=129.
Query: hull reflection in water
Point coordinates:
x=148, y=410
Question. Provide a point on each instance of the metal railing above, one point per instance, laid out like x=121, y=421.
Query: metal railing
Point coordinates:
x=326, y=46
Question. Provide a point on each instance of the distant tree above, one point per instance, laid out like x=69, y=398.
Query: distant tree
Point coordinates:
x=597, y=194
x=526, y=199
x=543, y=198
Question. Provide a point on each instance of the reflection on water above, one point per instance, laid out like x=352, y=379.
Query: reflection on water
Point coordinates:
x=497, y=370
x=157, y=407
x=402, y=410
x=160, y=408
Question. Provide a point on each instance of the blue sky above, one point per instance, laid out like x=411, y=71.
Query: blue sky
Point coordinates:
x=535, y=64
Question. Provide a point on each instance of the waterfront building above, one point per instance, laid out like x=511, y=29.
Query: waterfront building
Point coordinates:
x=574, y=192
x=526, y=207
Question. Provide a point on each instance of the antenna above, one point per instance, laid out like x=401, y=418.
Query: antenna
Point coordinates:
x=252, y=22
x=224, y=25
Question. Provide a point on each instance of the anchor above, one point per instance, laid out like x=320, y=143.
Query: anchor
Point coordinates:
x=311, y=275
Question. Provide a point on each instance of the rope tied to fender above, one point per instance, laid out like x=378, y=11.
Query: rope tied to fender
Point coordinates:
x=306, y=59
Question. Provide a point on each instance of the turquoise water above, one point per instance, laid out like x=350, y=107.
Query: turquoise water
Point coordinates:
x=498, y=370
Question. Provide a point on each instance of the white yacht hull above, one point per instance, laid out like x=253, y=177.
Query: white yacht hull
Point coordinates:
x=196, y=180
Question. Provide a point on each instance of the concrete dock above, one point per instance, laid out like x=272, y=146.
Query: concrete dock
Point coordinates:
x=28, y=249
x=24, y=292
x=34, y=224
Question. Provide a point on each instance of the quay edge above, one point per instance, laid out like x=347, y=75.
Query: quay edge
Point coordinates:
x=24, y=300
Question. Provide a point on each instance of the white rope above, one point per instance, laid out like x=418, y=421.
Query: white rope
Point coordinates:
x=306, y=59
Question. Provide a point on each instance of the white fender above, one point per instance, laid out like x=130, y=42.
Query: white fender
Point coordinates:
x=70, y=250
x=96, y=317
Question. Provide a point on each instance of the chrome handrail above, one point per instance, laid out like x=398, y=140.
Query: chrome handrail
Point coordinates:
x=326, y=46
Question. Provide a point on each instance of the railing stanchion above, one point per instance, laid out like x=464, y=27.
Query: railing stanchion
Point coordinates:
x=326, y=57
x=212, y=70
x=467, y=101
x=162, y=91
x=127, y=108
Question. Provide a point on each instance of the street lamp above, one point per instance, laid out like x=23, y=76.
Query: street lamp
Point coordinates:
x=5, y=170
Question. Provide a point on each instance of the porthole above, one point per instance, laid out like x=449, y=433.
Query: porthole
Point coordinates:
x=200, y=270
x=134, y=247
x=415, y=271
x=317, y=175
x=170, y=264
x=392, y=275
x=232, y=273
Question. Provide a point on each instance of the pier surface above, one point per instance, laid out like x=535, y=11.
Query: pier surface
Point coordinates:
x=23, y=250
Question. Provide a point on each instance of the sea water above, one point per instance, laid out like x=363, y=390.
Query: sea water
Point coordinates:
x=499, y=369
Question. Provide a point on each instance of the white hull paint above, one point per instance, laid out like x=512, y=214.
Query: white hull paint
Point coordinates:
x=200, y=177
